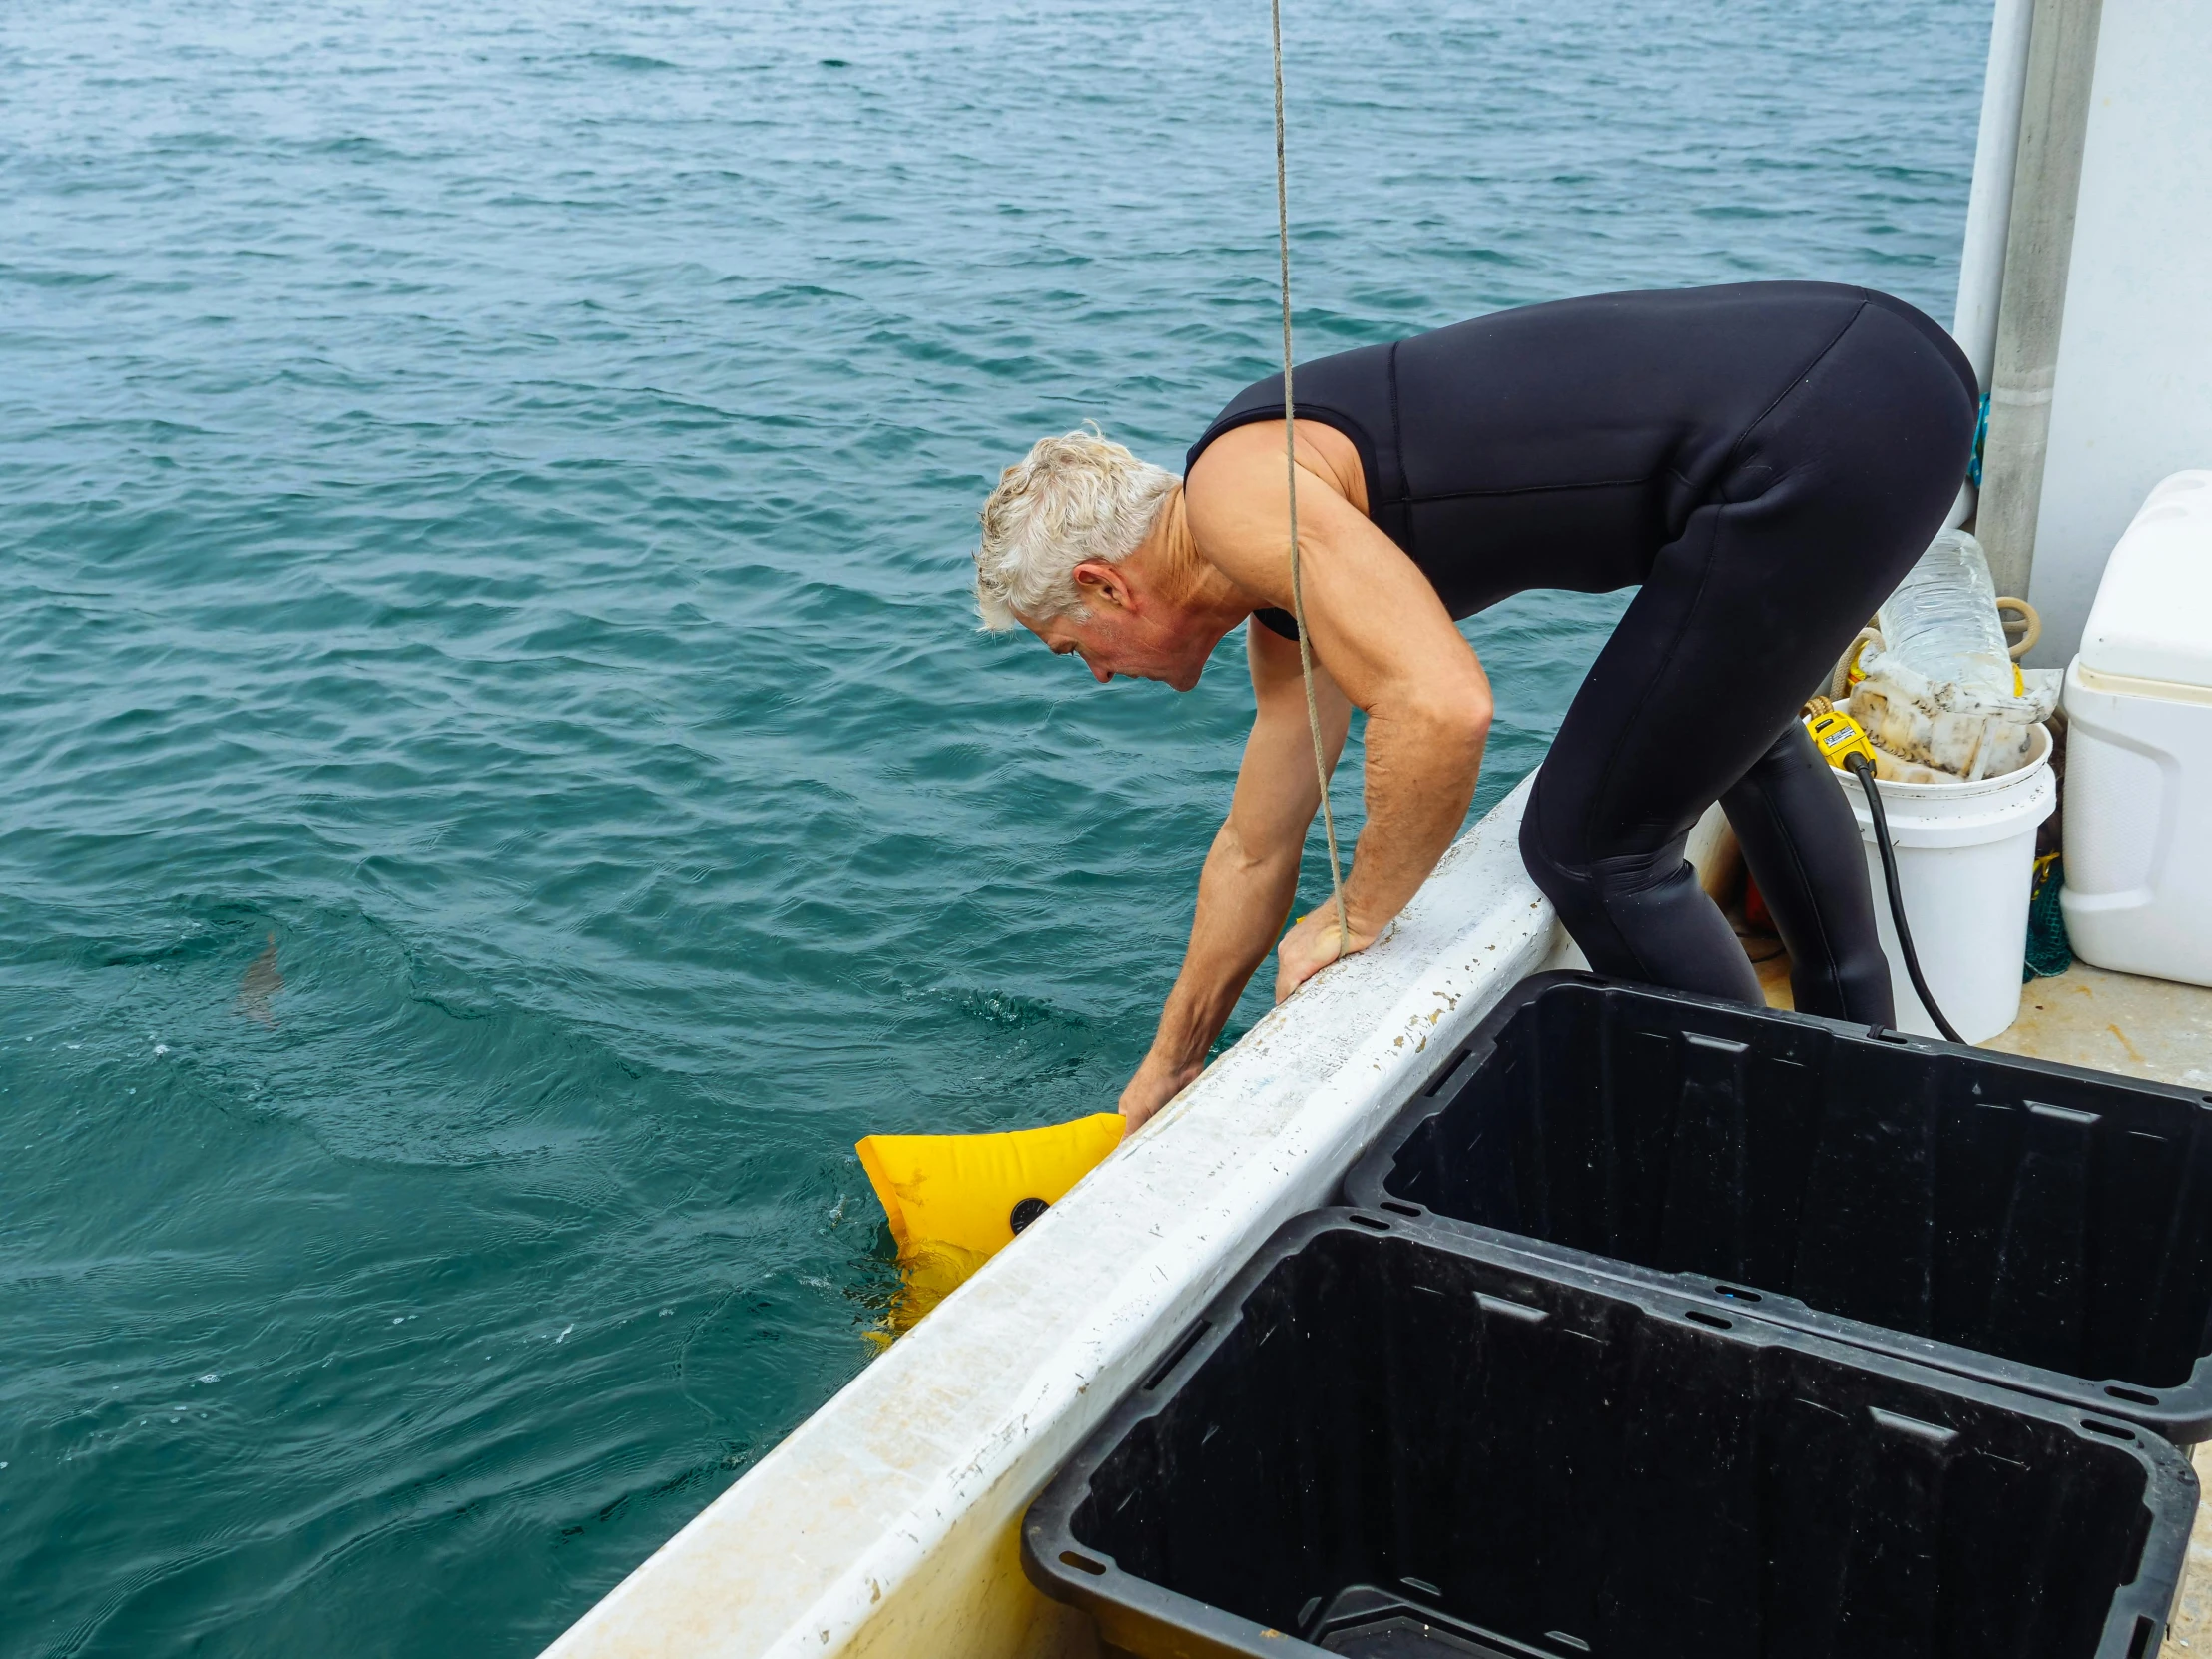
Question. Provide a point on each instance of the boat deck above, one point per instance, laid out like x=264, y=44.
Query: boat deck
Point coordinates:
x=2117, y=1022
x=2154, y=1028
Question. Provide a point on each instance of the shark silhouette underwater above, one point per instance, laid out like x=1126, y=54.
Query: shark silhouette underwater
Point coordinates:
x=261, y=984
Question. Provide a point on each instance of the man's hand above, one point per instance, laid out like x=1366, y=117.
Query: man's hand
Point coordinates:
x=1310, y=947
x=1157, y=1082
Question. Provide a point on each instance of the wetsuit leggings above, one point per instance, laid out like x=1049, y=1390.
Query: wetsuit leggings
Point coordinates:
x=1829, y=499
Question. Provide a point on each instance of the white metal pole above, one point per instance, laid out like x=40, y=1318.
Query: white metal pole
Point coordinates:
x=1990, y=204
x=2039, y=252
x=1989, y=207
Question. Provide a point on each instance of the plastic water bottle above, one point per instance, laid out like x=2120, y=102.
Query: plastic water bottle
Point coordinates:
x=1942, y=620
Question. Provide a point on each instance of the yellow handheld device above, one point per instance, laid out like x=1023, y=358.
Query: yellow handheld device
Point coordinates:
x=1836, y=734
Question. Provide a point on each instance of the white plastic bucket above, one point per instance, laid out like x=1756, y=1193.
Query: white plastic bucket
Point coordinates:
x=1966, y=862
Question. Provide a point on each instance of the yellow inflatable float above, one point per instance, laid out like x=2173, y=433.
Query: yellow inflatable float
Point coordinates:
x=955, y=1200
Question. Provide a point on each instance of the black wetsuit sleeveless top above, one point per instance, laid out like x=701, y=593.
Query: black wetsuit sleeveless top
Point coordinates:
x=1562, y=445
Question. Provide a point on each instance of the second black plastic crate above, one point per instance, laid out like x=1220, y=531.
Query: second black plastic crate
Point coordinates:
x=2036, y=1225
x=1386, y=1442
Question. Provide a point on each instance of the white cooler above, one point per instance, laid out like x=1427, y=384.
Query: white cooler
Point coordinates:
x=2138, y=804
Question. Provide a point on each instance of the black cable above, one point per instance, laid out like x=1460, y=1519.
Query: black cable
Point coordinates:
x=1863, y=769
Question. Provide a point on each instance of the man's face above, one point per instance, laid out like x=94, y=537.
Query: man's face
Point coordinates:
x=1129, y=631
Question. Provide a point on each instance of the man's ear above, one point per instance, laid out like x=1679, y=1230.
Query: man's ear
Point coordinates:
x=1103, y=583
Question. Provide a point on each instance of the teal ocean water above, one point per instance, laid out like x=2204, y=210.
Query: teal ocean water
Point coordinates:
x=499, y=782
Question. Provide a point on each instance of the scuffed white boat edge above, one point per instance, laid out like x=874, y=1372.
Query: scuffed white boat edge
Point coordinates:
x=886, y=1524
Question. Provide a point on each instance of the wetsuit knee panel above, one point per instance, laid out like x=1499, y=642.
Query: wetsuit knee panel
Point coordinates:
x=1599, y=880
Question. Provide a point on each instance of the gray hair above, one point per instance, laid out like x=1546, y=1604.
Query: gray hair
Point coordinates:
x=1072, y=498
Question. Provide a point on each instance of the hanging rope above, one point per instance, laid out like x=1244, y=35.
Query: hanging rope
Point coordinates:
x=1289, y=469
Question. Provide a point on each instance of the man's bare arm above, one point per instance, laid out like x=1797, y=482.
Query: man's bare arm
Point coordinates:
x=1251, y=874
x=1387, y=641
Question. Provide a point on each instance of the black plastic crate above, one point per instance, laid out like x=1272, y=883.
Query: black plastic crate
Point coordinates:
x=2033, y=1225
x=1385, y=1441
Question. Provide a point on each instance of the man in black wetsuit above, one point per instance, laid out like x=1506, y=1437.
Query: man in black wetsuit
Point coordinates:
x=1763, y=461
